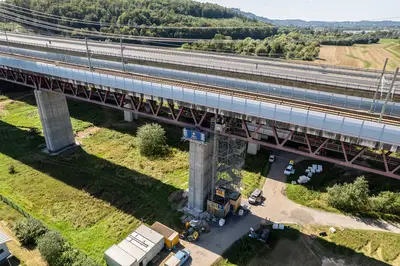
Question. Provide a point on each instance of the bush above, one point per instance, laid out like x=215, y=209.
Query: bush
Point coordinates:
x=73, y=257
x=151, y=140
x=386, y=202
x=11, y=170
x=350, y=197
x=51, y=247
x=28, y=231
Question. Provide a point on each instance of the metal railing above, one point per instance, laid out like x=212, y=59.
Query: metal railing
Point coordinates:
x=291, y=78
x=323, y=98
x=276, y=61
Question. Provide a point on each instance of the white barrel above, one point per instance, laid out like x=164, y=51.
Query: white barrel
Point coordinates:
x=221, y=222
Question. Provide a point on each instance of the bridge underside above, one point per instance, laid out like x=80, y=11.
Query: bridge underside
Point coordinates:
x=192, y=116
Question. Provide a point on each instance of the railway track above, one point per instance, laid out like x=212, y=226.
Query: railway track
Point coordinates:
x=334, y=110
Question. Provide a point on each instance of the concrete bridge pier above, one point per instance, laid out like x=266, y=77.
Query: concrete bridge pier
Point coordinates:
x=200, y=174
x=128, y=115
x=56, y=122
x=254, y=148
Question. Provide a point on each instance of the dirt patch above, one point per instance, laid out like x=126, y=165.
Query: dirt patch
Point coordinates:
x=27, y=257
x=359, y=56
x=3, y=104
x=88, y=132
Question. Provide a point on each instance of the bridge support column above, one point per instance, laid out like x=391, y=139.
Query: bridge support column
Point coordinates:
x=200, y=174
x=254, y=148
x=56, y=122
x=129, y=116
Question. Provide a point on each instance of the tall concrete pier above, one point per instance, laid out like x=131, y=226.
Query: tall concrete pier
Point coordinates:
x=56, y=122
x=200, y=174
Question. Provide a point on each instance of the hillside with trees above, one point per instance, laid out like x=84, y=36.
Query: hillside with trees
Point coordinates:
x=197, y=20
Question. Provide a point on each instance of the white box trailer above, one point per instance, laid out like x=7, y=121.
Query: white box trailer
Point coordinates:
x=137, y=249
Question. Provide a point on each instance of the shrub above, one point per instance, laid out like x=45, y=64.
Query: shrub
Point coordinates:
x=350, y=197
x=51, y=247
x=11, y=169
x=28, y=231
x=151, y=140
x=73, y=257
x=386, y=202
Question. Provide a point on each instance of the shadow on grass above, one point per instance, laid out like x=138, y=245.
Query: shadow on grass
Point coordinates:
x=291, y=247
x=134, y=193
x=101, y=116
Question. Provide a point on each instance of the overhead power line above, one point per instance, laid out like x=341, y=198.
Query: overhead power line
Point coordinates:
x=15, y=17
x=73, y=20
x=85, y=32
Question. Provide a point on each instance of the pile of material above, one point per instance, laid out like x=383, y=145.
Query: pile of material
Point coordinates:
x=310, y=171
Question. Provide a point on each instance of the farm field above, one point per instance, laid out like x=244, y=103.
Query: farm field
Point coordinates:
x=98, y=194
x=362, y=56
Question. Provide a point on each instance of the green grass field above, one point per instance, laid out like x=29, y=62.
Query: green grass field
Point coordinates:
x=100, y=193
x=392, y=45
x=9, y=215
x=314, y=194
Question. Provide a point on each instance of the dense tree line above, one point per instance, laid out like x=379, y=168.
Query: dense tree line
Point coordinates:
x=280, y=46
x=356, y=197
x=126, y=15
x=389, y=34
x=288, y=43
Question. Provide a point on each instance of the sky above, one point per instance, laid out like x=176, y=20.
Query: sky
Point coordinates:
x=323, y=10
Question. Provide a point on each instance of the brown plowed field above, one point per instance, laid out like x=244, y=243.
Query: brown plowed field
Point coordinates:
x=360, y=56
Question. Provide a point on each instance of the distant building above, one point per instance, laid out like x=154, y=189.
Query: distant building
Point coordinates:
x=4, y=252
x=137, y=249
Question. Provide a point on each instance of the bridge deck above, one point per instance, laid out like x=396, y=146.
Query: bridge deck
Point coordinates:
x=349, y=123
x=303, y=95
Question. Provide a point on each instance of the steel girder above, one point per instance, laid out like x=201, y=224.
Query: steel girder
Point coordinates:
x=165, y=110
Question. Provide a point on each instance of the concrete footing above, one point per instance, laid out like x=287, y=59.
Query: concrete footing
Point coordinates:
x=254, y=148
x=200, y=174
x=56, y=122
x=128, y=115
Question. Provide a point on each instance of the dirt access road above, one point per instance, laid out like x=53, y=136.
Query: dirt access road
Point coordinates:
x=277, y=208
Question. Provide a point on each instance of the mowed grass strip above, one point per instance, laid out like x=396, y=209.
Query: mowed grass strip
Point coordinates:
x=98, y=194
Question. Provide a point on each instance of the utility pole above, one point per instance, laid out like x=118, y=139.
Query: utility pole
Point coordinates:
x=388, y=95
x=379, y=85
x=88, y=54
x=122, y=55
